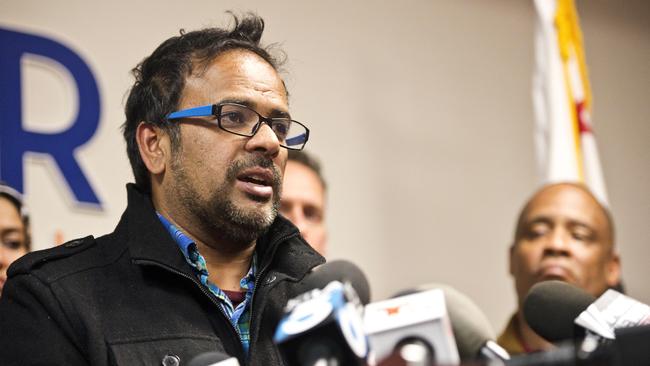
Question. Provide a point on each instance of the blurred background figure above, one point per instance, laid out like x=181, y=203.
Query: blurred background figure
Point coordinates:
x=14, y=229
x=303, y=198
x=563, y=233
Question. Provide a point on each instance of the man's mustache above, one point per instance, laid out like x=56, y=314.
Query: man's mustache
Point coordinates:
x=256, y=161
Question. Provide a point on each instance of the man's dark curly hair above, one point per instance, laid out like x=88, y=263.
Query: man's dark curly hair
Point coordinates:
x=160, y=79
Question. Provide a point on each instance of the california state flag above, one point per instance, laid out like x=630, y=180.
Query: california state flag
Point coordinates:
x=566, y=147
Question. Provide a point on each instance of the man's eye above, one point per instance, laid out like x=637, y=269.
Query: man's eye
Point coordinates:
x=12, y=244
x=233, y=118
x=281, y=128
x=582, y=234
x=536, y=231
x=313, y=214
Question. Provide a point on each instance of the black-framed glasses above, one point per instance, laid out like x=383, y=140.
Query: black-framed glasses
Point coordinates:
x=243, y=121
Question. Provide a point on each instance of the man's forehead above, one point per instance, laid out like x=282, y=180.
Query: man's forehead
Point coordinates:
x=9, y=215
x=239, y=64
x=568, y=203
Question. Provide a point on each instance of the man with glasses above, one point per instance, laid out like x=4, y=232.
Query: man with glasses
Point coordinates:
x=200, y=260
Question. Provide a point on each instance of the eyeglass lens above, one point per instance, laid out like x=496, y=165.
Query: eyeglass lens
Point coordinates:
x=245, y=121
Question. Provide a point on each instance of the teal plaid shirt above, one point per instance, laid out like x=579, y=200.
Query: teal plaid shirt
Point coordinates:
x=239, y=316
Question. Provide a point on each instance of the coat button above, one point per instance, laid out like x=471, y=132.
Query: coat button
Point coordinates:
x=271, y=279
x=171, y=360
x=74, y=243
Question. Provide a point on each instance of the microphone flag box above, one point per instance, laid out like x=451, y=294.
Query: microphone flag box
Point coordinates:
x=611, y=311
x=420, y=316
x=323, y=325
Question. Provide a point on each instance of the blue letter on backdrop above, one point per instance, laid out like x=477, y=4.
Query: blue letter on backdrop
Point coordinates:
x=15, y=141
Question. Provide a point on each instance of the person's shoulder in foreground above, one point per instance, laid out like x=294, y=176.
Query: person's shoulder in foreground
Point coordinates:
x=200, y=261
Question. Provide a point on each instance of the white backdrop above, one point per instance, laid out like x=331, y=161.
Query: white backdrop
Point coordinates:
x=420, y=111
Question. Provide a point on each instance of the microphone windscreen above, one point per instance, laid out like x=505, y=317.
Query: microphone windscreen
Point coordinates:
x=471, y=327
x=551, y=307
x=336, y=270
x=213, y=359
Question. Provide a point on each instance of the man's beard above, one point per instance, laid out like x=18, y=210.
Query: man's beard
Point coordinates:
x=219, y=214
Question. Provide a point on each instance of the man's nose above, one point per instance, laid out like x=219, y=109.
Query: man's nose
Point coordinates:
x=558, y=242
x=264, y=141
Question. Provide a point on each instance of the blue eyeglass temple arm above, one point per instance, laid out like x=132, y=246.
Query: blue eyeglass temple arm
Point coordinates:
x=206, y=110
x=300, y=139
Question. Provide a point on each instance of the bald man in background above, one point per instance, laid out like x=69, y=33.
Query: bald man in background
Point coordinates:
x=563, y=233
x=303, y=198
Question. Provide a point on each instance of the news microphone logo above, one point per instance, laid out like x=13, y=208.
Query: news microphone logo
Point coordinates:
x=417, y=318
x=323, y=325
x=611, y=311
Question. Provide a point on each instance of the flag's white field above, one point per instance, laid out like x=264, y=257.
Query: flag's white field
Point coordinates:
x=565, y=145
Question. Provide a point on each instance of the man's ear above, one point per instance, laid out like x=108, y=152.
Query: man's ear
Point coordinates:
x=154, y=147
x=511, y=260
x=614, y=270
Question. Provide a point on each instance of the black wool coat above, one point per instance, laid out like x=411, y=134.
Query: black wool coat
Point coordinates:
x=130, y=298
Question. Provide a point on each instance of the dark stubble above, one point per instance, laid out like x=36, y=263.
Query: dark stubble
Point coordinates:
x=219, y=214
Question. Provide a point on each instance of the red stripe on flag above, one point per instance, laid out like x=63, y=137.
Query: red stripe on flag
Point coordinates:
x=583, y=118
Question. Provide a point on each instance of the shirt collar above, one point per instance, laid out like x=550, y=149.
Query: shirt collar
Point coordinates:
x=182, y=240
x=188, y=247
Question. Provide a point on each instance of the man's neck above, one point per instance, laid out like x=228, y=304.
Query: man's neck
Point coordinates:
x=531, y=340
x=227, y=262
x=227, y=269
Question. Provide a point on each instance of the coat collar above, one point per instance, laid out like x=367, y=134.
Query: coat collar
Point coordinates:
x=146, y=236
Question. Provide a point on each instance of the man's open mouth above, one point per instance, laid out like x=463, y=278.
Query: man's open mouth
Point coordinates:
x=256, y=182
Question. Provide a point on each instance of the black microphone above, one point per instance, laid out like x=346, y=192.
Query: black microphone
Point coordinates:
x=551, y=307
x=336, y=270
x=629, y=348
x=322, y=325
x=472, y=329
x=610, y=330
x=213, y=359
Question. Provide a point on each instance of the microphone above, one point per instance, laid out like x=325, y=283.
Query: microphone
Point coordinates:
x=615, y=327
x=551, y=307
x=612, y=311
x=554, y=308
x=630, y=348
x=472, y=330
x=213, y=359
x=414, y=326
x=323, y=327
x=409, y=352
x=336, y=270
